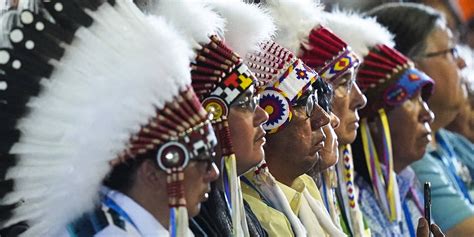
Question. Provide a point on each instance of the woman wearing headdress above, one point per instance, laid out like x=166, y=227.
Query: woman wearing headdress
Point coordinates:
x=424, y=37
x=395, y=127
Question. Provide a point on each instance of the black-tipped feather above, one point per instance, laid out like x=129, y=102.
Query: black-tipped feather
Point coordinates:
x=6, y=186
x=6, y=161
x=68, y=14
x=34, y=38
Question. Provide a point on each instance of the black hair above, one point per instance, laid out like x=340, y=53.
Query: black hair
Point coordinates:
x=360, y=165
x=325, y=94
x=411, y=23
x=122, y=176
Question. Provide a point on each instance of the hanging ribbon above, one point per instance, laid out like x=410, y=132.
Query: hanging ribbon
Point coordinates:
x=384, y=183
x=234, y=198
x=448, y=162
x=329, y=184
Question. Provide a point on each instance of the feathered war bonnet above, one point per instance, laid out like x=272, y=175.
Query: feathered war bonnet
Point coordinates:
x=388, y=79
x=300, y=28
x=249, y=28
x=85, y=93
x=283, y=79
x=219, y=77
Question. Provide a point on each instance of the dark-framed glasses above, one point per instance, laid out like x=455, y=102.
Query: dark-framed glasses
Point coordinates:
x=454, y=51
x=309, y=101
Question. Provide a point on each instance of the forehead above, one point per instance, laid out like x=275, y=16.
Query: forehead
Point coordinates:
x=440, y=39
x=343, y=79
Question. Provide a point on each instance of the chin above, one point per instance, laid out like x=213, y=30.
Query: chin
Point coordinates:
x=347, y=138
x=194, y=210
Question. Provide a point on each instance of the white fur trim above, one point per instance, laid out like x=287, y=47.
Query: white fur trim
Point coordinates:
x=294, y=19
x=247, y=25
x=193, y=18
x=360, y=33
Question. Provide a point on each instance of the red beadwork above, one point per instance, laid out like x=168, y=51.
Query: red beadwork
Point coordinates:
x=322, y=48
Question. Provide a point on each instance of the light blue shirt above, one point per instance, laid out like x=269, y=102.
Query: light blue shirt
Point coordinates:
x=447, y=168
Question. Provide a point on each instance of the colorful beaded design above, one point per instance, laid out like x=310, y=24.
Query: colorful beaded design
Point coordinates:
x=286, y=79
x=328, y=54
x=388, y=79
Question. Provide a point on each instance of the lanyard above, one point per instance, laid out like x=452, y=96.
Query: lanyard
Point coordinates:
x=325, y=193
x=448, y=162
x=112, y=205
x=407, y=213
x=252, y=186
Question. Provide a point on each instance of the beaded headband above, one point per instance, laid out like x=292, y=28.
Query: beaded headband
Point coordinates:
x=219, y=77
x=388, y=79
x=328, y=54
x=286, y=78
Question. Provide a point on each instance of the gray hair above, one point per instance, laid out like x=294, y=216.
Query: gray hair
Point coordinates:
x=411, y=24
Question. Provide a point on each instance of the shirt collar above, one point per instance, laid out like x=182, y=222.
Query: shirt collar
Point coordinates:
x=293, y=193
x=145, y=223
x=405, y=180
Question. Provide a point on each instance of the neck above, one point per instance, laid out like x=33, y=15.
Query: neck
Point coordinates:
x=443, y=117
x=398, y=166
x=280, y=170
x=157, y=207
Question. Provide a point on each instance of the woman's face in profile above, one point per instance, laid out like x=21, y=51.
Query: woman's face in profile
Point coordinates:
x=442, y=63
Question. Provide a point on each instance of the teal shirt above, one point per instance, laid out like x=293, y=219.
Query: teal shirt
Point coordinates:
x=447, y=168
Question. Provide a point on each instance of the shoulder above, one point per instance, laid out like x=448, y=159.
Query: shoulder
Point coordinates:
x=274, y=222
x=96, y=222
x=311, y=186
x=112, y=230
x=428, y=164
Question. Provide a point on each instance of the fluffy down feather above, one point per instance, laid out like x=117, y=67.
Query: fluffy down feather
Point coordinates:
x=361, y=33
x=294, y=20
x=108, y=83
x=247, y=25
x=193, y=18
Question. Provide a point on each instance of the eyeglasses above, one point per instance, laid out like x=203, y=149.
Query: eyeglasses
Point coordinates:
x=344, y=87
x=453, y=51
x=310, y=102
x=247, y=102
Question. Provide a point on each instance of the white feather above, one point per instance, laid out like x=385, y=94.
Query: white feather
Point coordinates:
x=294, y=20
x=247, y=25
x=109, y=82
x=193, y=18
x=360, y=33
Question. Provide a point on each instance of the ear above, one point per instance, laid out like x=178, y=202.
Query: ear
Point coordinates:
x=150, y=174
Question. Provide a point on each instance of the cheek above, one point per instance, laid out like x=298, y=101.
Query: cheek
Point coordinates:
x=447, y=80
x=242, y=134
x=404, y=129
x=302, y=134
x=340, y=107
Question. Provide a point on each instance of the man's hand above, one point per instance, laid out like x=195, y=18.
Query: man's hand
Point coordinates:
x=424, y=231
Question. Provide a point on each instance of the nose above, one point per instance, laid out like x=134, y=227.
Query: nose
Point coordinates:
x=358, y=99
x=319, y=118
x=260, y=116
x=426, y=115
x=460, y=62
x=335, y=121
x=212, y=173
